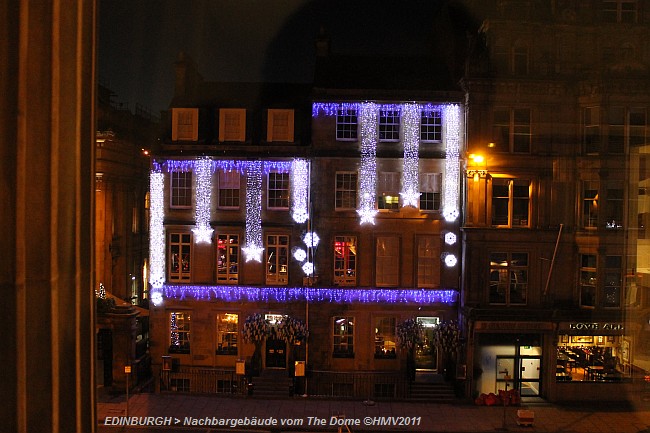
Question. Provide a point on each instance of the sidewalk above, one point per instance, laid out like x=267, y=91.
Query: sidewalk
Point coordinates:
x=305, y=414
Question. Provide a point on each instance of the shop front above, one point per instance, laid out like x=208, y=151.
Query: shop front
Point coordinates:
x=593, y=362
x=510, y=355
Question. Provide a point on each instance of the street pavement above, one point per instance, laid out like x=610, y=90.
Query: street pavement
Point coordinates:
x=202, y=414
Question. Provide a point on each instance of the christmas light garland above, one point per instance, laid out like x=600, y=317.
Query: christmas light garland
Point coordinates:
x=368, y=169
x=202, y=231
x=254, y=247
x=411, y=170
x=311, y=294
x=156, y=234
x=452, y=138
x=300, y=190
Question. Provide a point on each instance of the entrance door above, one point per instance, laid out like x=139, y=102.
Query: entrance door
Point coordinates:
x=426, y=355
x=276, y=353
x=525, y=377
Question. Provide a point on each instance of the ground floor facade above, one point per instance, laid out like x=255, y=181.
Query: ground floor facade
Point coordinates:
x=558, y=360
x=350, y=332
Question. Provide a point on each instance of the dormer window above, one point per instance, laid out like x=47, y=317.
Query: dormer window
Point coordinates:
x=280, y=125
x=232, y=124
x=185, y=124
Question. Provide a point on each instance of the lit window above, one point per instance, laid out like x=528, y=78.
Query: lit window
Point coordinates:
x=510, y=202
x=180, y=257
x=179, y=331
x=385, y=339
x=278, y=191
x=227, y=333
x=185, y=124
x=232, y=124
x=387, y=261
x=389, y=125
x=277, y=259
x=430, y=191
x=345, y=260
x=181, y=189
x=343, y=337
x=227, y=259
x=346, y=124
x=388, y=187
x=346, y=191
x=430, y=126
x=590, y=203
x=508, y=278
x=229, y=189
x=280, y=125
x=428, y=269
x=588, y=280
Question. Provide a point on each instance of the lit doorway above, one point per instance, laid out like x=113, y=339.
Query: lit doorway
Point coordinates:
x=426, y=354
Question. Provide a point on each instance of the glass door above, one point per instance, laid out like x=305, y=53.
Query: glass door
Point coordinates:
x=426, y=355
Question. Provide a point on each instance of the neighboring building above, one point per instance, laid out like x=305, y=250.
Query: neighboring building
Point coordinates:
x=554, y=250
x=325, y=207
x=123, y=140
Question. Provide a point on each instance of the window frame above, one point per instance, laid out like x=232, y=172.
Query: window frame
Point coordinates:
x=589, y=218
x=385, y=330
x=347, y=124
x=431, y=125
x=227, y=178
x=588, y=279
x=176, y=187
x=342, y=194
x=427, y=267
x=184, y=241
x=511, y=271
x=273, y=127
x=388, y=187
x=184, y=332
x=389, y=125
x=228, y=277
x=612, y=269
x=429, y=181
x=347, y=328
x=224, y=329
x=341, y=274
x=591, y=129
x=185, y=124
x=618, y=14
x=511, y=200
x=506, y=122
x=272, y=190
x=387, y=262
x=228, y=132
x=280, y=277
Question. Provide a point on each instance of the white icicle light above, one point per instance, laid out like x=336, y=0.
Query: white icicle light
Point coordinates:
x=410, y=173
x=300, y=190
x=452, y=138
x=203, y=231
x=156, y=235
x=368, y=171
x=253, y=249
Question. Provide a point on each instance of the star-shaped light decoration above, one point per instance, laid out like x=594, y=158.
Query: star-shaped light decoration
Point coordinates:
x=202, y=234
x=410, y=198
x=253, y=252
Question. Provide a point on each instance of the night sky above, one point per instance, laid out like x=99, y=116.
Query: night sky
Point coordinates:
x=246, y=40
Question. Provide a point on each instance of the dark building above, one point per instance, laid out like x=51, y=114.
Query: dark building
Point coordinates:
x=123, y=141
x=554, y=251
